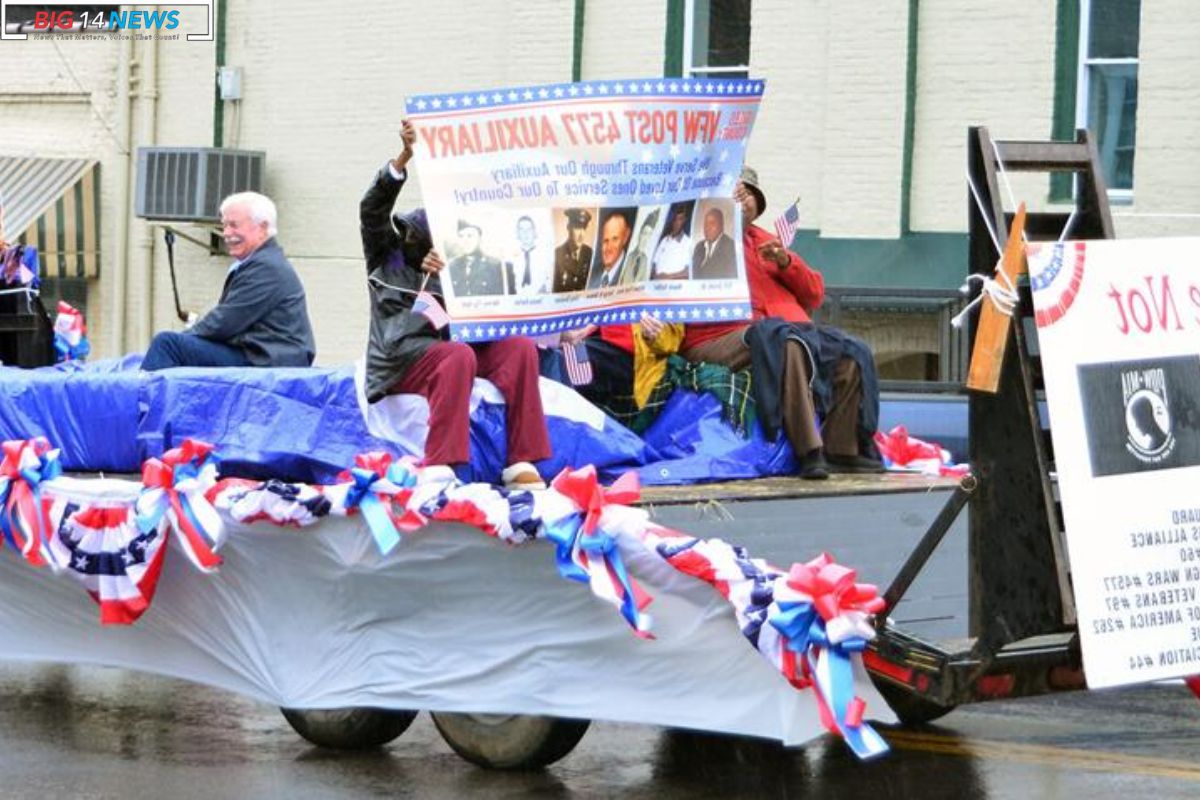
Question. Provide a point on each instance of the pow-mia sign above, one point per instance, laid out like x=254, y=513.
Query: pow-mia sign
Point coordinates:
x=1142, y=415
x=1148, y=434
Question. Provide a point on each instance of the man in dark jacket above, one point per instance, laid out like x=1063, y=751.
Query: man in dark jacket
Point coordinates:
x=407, y=355
x=261, y=319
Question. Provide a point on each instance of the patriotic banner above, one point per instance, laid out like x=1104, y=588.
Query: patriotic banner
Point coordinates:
x=564, y=205
x=1119, y=332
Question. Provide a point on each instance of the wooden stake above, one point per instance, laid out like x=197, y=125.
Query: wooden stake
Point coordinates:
x=991, y=338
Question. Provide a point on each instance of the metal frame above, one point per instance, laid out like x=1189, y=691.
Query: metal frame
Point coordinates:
x=1022, y=614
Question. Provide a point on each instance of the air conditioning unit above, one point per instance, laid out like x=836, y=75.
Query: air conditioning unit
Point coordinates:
x=187, y=184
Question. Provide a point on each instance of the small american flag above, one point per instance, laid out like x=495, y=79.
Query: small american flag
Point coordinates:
x=427, y=306
x=785, y=225
x=579, y=368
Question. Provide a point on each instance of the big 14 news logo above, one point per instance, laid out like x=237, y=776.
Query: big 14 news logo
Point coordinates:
x=69, y=19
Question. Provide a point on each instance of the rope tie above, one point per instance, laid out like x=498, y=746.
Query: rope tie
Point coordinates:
x=999, y=290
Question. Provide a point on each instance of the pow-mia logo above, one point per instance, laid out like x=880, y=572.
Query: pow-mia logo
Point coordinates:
x=1141, y=415
x=1149, y=437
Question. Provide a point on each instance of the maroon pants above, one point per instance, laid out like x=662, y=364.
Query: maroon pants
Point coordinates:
x=443, y=376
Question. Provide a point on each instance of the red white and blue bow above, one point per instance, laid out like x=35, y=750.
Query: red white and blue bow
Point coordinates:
x=174, y=488
x=375, y=486
x=70, y=334
x=23, y=518
x=586, y=552
x=824, y=617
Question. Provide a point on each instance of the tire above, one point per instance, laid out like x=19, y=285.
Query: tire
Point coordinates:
x=349, y=728
x=910, y=708
x=510, y=741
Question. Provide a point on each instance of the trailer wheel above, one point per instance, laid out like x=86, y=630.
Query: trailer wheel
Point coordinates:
x=349, y=728
x=912, y=709
x=510, y=741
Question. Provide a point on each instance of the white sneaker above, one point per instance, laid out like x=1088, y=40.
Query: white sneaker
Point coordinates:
x=522, y=476
x=435, y=473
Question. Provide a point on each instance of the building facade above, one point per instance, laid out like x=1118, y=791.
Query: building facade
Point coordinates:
x=865, y=120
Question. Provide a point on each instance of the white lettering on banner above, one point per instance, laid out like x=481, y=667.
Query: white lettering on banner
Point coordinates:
x=1119, y=333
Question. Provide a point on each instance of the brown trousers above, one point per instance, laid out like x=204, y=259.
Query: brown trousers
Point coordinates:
x=839, y=431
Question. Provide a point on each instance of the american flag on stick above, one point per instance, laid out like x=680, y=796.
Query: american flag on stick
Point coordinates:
x=427, y=306
x=785, y=224
x=579, y=368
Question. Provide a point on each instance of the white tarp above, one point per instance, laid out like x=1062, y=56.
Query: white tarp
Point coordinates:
x=451, y=620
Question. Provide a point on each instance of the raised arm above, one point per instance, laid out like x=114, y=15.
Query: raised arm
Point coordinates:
x=379, y=237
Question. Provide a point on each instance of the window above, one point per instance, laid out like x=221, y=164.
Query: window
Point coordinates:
x=717, y=38
x=1108, y=68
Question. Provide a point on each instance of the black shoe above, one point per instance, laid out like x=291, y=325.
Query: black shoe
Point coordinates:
x=813, y=466
x=854, y=465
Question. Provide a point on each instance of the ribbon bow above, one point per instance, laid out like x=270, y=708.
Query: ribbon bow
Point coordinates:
x=585, y=552
x=824, y=619
x=176, y=486
x=582, y=487
x=70, y=334
x=376, y=483
x=23, y=518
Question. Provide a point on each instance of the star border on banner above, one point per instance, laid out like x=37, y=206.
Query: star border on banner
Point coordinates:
x=708, y=87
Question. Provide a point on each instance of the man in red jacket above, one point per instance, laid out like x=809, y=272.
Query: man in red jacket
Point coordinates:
x=784, y=288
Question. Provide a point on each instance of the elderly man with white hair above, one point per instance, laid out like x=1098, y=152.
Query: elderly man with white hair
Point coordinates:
x=261, y=319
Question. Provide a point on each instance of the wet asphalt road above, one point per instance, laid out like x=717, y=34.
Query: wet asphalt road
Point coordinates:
x=96, y=732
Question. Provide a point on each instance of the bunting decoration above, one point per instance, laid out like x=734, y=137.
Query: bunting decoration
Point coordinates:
x=117, y=562
x=810, y=622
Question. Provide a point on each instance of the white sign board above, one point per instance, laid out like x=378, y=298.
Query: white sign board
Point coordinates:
x=1119, y=332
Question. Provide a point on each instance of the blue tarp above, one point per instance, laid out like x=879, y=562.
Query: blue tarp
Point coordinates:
x=307, y=425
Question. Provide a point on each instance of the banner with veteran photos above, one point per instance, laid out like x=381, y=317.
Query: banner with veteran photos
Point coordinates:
x=1119, y=332
x=563, y=205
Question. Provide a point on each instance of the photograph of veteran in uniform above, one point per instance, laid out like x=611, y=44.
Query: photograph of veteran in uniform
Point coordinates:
x=616, y=229
x=527, y=269
x=473, y=272
x=637, y=263
x=715, y=256
x=673, y=256
x=573, y=258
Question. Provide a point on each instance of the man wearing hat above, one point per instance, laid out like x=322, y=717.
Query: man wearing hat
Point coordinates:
x=829, y=414
x=471, y=272
x=407, y=355
x=573, y=258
